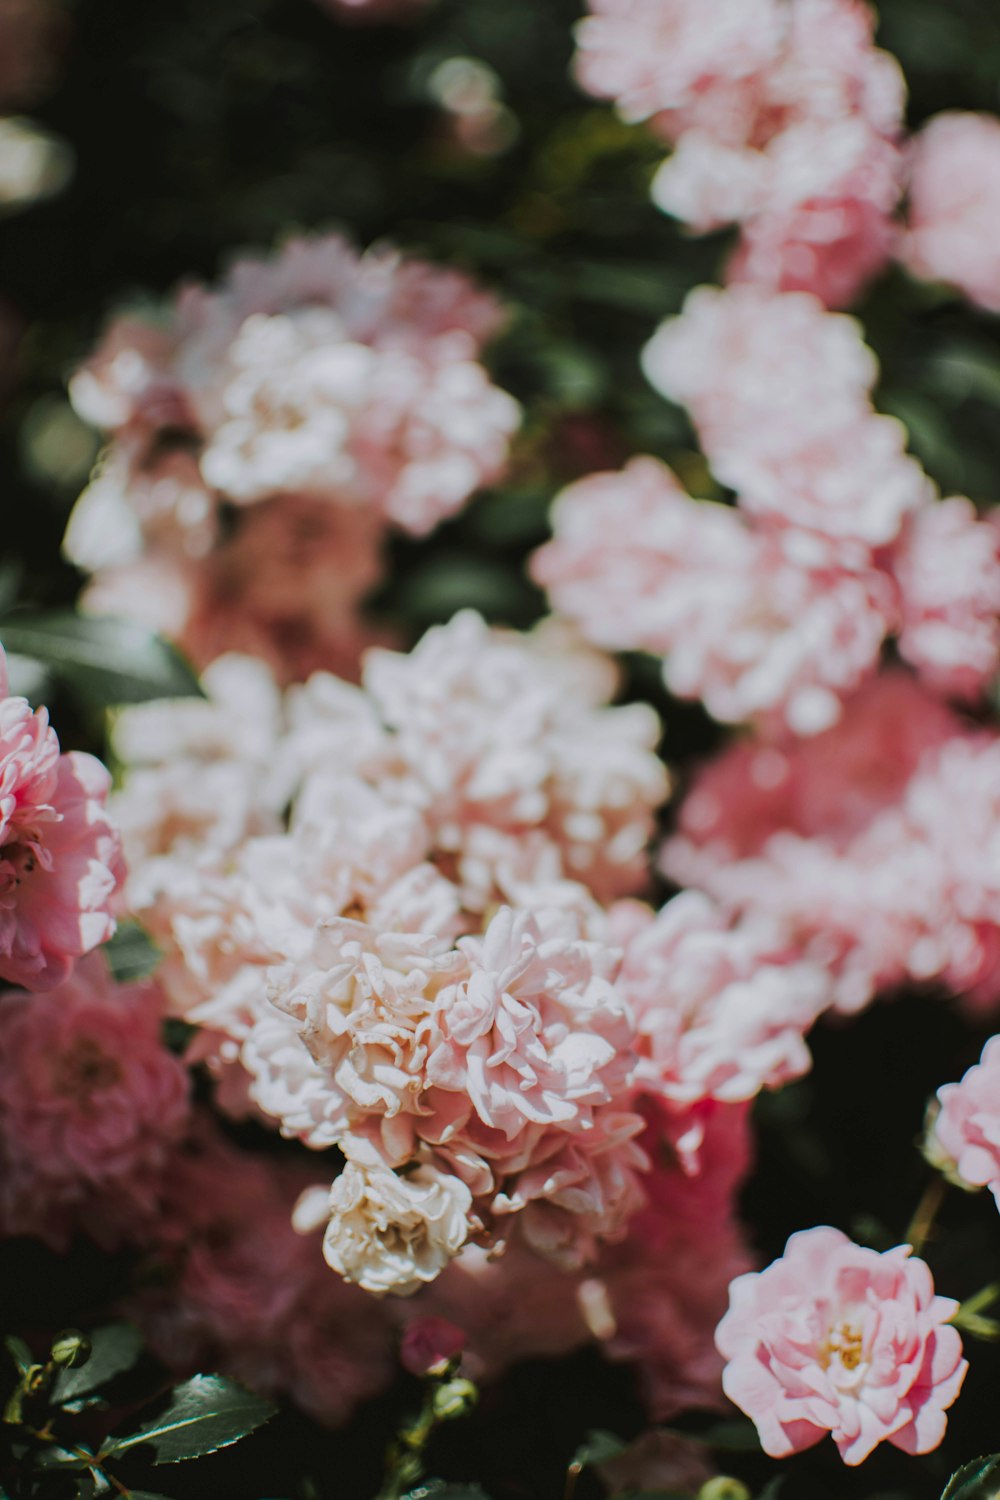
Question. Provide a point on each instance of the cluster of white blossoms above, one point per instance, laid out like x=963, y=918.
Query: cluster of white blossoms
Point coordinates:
x=396, y=914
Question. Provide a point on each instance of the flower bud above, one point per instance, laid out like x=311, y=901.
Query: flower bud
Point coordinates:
x=723, y=1487
x=70, y=1348
x=455, y=1398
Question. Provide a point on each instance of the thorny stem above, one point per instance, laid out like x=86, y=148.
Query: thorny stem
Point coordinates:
x=923, y=1220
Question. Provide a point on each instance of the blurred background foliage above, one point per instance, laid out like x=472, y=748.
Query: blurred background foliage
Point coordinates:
x=203, y=127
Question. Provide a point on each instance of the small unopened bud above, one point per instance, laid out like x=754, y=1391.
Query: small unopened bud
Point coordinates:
x=722, y=1487
x=455, y=1398
x=70, y=1348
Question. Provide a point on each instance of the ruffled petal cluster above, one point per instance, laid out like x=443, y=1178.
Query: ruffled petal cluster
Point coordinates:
x=60, y=854
x=954, y=204
x=92, y=1106
x=834, y=1338
x=775, y=610
x=785, y=119
x=966, y=1131
x=265, y=435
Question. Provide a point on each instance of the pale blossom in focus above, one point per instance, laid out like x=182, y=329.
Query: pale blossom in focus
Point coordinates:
x=92, y=1106
x=391, y=1233
x=966, y=1130
x=836, y=1338
x=60, y=855
x=954, y=205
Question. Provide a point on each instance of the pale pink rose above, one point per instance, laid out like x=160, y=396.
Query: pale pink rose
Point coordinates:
x=740, y=624
x=947, y=566
x=720, y=1014
x=389, y=1233
x=266, y=433
x=840, y=1339
x=966, y=1131
x=536, y=1033
x=92, y=1106
x=496, y=730
x=784, y=119
x=238, y=1290
x=652, y=56
x=954, y=204
x=799, y=439
x=60, y=856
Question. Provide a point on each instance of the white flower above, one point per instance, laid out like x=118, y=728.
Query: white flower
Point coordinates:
x=391, y=1233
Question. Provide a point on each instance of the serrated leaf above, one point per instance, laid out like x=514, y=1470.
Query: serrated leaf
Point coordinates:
x=131, y=953
x=107, y=661
x=978, y=1480
x=204, y=1414
x=114, y=1349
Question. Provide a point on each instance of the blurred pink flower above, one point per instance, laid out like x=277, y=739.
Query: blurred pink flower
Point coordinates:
x=836, y=1338
x=954, y=205
x=60, y=855
x=92, y=1106
x=947, y=566
x=720, y=1013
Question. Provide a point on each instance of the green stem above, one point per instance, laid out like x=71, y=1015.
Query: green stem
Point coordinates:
x=927, y=1209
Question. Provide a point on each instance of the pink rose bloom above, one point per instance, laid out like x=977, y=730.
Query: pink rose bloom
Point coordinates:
x=966, y=1131
x=797, y=438
x=785, y=120
x=740, y=624
x=836, y=1338
x=947, y=566
x=92, y=1106
x=719, y=1013
x=954, y=204
x=60, y=856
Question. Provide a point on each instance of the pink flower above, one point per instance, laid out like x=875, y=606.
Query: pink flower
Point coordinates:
x=786, y=121
x=740, y=623
x=265, y=434
x=954, y=196
x=429, y=1345
x=797, y=438
x=92, y=1106
x=60, y=858
x=966, y=1131
x=947, y=566
x=240, y=1291
x=720, y=1014
x=835, y=1338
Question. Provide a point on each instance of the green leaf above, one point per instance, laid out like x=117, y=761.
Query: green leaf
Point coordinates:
x=979, y=1480
x=205, y=1413
x=598, y=1447
x=114, y=1349
x=19, y=1352
x=107, y=661
x=131, y=953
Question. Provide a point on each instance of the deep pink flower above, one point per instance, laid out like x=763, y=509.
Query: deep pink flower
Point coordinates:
x=60, y=856
x=840, y=1339
x=429, y=1344
x=92, y=1105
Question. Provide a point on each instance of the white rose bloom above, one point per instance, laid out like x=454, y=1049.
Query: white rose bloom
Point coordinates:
x=389, y=1233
